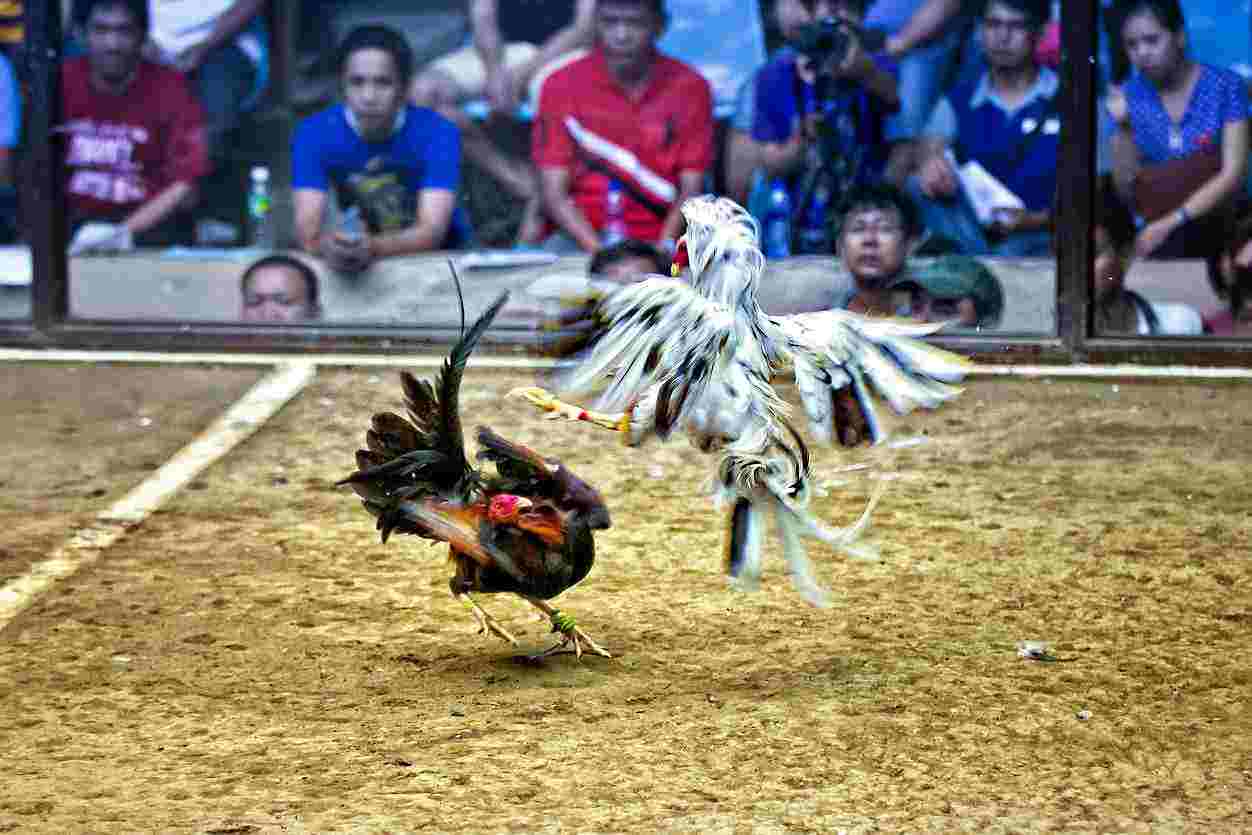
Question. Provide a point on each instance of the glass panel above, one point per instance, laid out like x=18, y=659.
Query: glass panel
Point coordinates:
x=1172, y=213
x=188, y=267
x=972, y=144
x=185, y=178
x=15, y=264
x=15, y=281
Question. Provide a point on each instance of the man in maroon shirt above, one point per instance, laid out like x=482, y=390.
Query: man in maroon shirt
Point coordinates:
x=623, y=114
x=135, y=144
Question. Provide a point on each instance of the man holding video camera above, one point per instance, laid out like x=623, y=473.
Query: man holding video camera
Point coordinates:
x=988, y=171
x=821, y=111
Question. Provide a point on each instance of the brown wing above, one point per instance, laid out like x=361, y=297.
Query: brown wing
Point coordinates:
x=524, y=472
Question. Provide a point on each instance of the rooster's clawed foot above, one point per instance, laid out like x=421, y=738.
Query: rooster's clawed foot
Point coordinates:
x=570, y=633
x=486, y=623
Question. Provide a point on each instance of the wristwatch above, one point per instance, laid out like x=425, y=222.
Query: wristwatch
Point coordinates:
x=1184, y=217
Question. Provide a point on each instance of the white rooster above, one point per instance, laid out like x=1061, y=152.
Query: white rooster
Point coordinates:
x=699, y=357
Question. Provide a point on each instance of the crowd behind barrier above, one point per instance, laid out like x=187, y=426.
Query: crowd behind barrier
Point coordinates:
x=945, y=110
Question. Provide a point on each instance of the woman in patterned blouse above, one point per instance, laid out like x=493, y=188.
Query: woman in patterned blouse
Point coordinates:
x=1171, y=108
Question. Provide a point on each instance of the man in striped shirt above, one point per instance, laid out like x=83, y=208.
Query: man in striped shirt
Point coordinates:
x=625, y=119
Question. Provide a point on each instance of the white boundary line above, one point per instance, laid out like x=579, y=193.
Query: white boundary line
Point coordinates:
x=436, y=357
x=84, y=546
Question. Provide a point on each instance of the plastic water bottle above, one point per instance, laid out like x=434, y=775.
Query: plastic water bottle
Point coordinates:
x=813, y=234
x=614, y=215
x=260, y=209
x=777, y=232
x=351, y=224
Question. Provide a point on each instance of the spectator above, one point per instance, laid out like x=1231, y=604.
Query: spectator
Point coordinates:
x=397, y=165
x=223, y=50
x=741, y=158
x=877, y=226
x=820, y=122
x=1006, y=122
x=10, y=136
x=1116, y=309
x=132, y=166
x=953, y=288
x=1180, y=154
x=627, y=261
x=561, y=300
x=1231, y=272
x=515, y=46
x=279, y=288
x=923, y=38
x=628, y=114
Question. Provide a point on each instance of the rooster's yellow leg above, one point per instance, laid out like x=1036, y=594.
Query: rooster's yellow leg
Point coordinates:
x=560, y=410
x=486, y=623
x=570, y=633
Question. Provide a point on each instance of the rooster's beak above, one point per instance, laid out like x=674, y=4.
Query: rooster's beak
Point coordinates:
x=523, y=503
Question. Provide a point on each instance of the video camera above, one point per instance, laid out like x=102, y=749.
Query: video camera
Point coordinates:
x=825, y=42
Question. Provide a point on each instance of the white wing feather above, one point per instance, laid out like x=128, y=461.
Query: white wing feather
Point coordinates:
x=831, y=349
x=653, y=329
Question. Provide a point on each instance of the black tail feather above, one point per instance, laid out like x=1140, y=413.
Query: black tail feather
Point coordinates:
x=449, y=384
x=737, y=546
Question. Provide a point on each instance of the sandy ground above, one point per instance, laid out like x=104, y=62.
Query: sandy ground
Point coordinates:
x=77, y=437
x=251, y=660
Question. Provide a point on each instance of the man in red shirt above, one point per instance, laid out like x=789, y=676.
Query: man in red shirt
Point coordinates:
x=135, y=144
x=624, y=115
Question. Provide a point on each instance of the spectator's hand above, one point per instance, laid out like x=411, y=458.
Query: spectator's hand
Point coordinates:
x=937, y=178
x=805, y=70
x=502, y=90
x=347, y=254
x=102, y=238
x=1007, y=221
x=856, y=62
x=1152, y=236
x=1243, y=258
x=895, y=47
x=1115, y=104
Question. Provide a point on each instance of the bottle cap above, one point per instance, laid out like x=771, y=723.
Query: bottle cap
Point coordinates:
x=261, y=173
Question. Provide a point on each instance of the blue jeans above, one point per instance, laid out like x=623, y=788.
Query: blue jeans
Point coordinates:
x=923, y=75
x=955, y=219
x=224, y=80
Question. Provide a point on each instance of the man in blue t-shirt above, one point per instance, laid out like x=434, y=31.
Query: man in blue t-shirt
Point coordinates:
x=10, y=134
x=822, y=127
x=1007, y=122
x=394, y=166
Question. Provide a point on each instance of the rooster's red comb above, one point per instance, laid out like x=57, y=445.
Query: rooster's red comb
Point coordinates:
x=681, y=258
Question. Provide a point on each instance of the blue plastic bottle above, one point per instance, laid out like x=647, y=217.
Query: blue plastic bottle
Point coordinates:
x=813, y=235
x=614, y=215
x=776, y=235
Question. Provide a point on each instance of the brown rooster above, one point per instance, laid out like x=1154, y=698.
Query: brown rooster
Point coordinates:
x=526, y=530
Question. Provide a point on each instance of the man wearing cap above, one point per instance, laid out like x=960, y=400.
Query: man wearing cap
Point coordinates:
x=953, y=288
x=877, y=229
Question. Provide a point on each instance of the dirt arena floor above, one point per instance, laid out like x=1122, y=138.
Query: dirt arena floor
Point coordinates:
x=251, y=660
